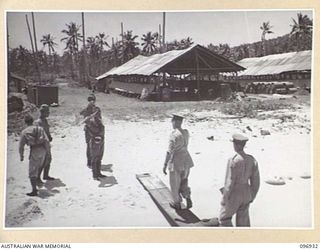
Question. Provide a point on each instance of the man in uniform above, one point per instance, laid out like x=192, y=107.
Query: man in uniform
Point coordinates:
x=178, y=161
x=95, y=130
x=90, y=111
x=36, y=138
x=241, y=185
x=43, y=122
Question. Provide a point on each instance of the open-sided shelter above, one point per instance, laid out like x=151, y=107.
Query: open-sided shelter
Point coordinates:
x=176, y=74
x=293, y=67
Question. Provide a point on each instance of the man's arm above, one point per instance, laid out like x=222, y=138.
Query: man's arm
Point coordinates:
x=168, y=156
x=230, y=180
x=169, y=153
x=255, y=180
x=21, y=146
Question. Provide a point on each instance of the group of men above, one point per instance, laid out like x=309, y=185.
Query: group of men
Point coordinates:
x=242, y=179
x=242, y=176
x=38, y=137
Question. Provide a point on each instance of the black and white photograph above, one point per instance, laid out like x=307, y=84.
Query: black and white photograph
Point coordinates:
x=159, y=119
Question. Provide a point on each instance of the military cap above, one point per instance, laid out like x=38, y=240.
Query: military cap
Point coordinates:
x=177, y=117
x=44, y=107
x=239, y=138
x=91, y=97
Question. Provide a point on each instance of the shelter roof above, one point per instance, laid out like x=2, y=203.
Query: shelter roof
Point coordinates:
x=276, y=64
x=175, y=62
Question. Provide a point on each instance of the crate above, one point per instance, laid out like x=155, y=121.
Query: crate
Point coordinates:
x=39, y=94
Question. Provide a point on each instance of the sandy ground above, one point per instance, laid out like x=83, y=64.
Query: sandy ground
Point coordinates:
x=136, y=142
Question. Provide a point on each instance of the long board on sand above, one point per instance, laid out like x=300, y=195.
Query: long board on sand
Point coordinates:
x=162, y=197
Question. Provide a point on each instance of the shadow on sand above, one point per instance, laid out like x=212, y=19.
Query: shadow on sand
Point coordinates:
x=44, y=193
x=54, y=183
x=107, y=167
x=107, y=181
x=50, y=188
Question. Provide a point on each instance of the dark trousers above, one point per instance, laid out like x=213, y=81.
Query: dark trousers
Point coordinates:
x=45, y=166
x=96, y=154
x=87, y=136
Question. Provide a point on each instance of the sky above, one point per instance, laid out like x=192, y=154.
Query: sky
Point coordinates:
x=232, y=27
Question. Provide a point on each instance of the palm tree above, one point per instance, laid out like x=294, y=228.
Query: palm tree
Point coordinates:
x=21, y=61
x=186, y=43
x=266, y=29
x=72, y=40
x=301, y=28
x=129, y=47
x=149, y=43
x=115, y=54
x=101, y=41
x=48, y=40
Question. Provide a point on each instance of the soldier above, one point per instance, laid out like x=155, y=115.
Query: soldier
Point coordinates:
x=87, y=113
x=43, y=122
x=179, y=162
x=36, y=138
x=241, y=185
x=95, y=130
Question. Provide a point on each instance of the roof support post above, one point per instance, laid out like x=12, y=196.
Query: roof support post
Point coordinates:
x=198, y=74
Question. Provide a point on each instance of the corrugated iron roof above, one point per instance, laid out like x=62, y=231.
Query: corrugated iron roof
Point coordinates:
x=148, y=65
x=276, y=64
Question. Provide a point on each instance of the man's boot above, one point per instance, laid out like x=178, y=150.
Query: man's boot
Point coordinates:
x=189, y=203
x=46, y=174
x=34, y=192
x=175, y=205
x=39, y=182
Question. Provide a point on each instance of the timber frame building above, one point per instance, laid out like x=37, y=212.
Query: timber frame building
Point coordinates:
x=188, y=74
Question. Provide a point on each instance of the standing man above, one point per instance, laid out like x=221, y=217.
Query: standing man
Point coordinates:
x=90, y=111
x=43, y=122
x=179, y=162
x=36, y=138
x=241, y=185
x=95, y=130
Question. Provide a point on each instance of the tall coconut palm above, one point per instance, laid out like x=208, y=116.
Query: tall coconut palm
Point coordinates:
x=301, y=28
x=266, y=29
x=101, y=40
x=72, y=40
x=129, y=47
x=48, y=40
x=149, y=43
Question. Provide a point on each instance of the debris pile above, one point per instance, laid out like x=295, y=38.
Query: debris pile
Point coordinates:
x=16, y=118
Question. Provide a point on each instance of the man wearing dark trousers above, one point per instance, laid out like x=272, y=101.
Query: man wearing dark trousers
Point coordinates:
x=90, y=111
x=95, y=130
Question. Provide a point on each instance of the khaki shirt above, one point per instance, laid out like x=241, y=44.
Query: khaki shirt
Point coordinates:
x=43, y=122
x=242, y=178
x=180, y=158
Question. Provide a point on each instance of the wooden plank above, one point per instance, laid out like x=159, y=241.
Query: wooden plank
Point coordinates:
x=162, y=197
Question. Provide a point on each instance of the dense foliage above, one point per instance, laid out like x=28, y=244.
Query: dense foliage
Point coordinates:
x=101, y=56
